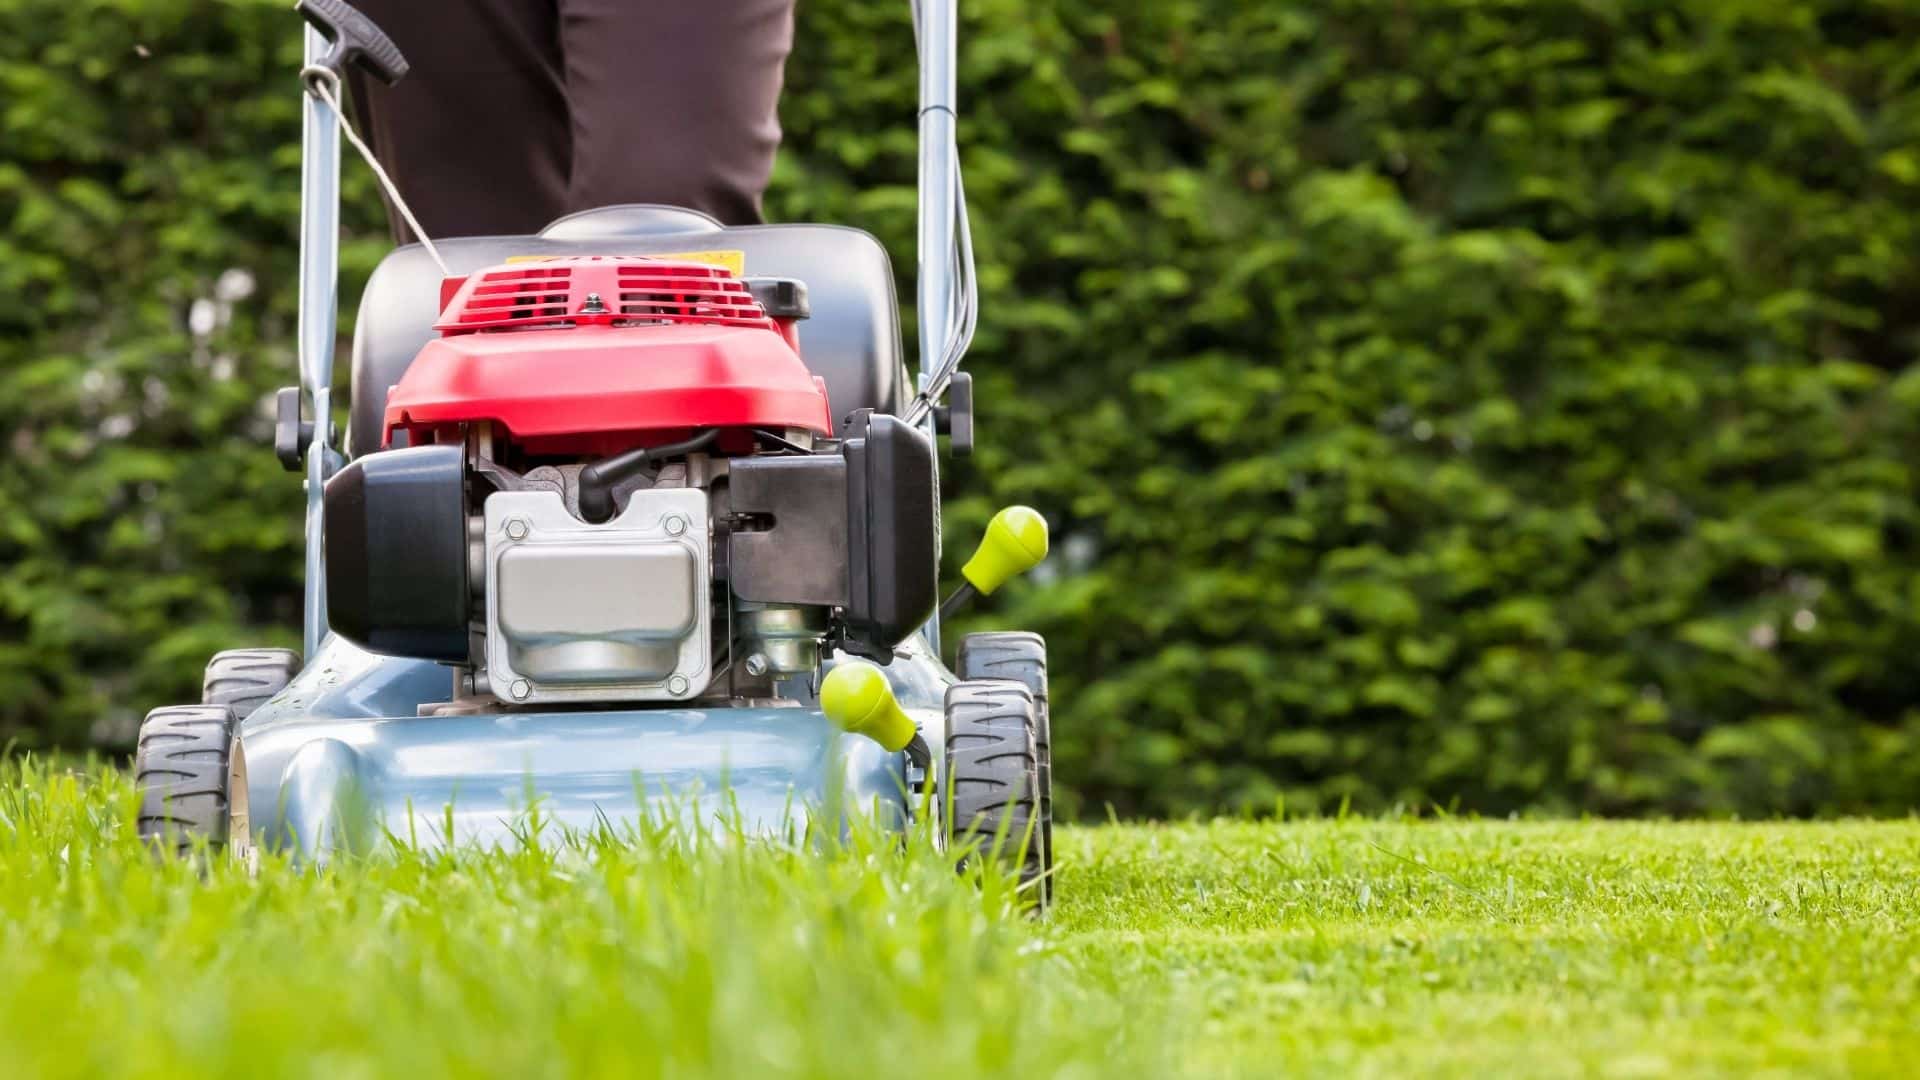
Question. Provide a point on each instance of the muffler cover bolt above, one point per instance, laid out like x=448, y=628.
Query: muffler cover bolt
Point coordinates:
x=677, y=685
x=520, y=689
x=676, y=525
x=517, y=529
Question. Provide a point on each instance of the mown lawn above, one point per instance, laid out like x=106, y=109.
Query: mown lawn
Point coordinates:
x=1322, y=947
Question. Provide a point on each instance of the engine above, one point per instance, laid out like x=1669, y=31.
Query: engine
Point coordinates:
x=615, y=480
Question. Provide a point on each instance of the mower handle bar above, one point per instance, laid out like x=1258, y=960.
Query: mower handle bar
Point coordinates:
x=355, y=40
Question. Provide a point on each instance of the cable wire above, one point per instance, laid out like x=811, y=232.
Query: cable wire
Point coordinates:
x=324, y=84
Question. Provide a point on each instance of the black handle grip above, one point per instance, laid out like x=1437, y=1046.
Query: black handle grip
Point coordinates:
x=355, y=40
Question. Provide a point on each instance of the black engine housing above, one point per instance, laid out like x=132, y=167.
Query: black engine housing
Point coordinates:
x=858, y=529
x=396, y=537
x=893, y=533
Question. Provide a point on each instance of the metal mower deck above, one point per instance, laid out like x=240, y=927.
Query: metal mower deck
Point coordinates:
x=342, y=756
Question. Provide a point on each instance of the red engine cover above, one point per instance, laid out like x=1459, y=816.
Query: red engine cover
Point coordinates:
x=597, y=354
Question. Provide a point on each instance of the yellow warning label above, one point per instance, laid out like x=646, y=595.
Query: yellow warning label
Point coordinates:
x=735, y=262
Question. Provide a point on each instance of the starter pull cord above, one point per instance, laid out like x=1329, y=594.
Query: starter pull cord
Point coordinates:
x=324, y=84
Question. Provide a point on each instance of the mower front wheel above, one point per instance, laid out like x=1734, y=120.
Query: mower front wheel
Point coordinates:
x=192, y=777
x=993, y=785
x=1019, y=656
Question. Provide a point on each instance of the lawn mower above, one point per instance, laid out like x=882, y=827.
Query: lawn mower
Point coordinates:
x=638, y=510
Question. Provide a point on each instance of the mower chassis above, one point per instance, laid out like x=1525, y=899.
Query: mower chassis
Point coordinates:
x=341, y=758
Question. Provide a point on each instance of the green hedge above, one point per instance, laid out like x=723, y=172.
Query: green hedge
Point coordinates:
x=1498, y=405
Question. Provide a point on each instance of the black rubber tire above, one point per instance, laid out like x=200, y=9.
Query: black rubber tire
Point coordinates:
x=192, y=778
x=992, y=776
x=1019, y=656
x=243, y=679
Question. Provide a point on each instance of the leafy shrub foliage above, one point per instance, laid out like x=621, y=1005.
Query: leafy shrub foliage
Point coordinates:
x=1494, y=405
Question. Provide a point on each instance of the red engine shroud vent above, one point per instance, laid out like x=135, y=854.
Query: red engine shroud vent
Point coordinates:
x=631, y=291
x=596, y=354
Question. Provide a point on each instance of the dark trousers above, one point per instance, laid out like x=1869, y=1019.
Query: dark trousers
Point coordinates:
x=519, y=111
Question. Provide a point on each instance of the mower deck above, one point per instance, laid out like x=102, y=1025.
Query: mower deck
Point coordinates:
x=341, y=757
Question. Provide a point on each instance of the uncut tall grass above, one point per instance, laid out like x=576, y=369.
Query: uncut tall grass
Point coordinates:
x=653, y=951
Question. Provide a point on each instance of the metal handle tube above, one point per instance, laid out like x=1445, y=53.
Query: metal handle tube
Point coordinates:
x=938, y=28
x=319, y=300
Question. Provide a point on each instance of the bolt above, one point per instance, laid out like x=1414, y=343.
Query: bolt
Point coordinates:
x=520, y=689
x=676, y=525
x=677, y=685
x=756, y=665
x=516, y=529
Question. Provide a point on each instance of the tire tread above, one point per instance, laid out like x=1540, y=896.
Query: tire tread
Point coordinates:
x=245, y=679
x=1019, y=656
x=992, y=772
x=180, y=770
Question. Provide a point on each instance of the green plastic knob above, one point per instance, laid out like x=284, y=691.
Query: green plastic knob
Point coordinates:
x=857, y=698
x=1015, y=543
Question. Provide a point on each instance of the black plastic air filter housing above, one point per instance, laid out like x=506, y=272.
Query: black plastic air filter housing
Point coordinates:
x=893, y=532
x=856, y=527
x=396, y=546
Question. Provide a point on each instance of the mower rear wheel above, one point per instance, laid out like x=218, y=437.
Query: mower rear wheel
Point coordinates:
x=192, y=777
x=1020, y=656
x=992, y=777
x=244, y=679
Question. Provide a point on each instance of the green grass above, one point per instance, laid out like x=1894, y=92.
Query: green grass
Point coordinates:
x=1336, y=948
x=1491, y=948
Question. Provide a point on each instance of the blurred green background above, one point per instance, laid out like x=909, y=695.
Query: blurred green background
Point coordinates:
x=1494, y=405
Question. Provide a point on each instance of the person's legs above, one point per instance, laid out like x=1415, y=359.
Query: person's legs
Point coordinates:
x=675, y=102
x=477, y=134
